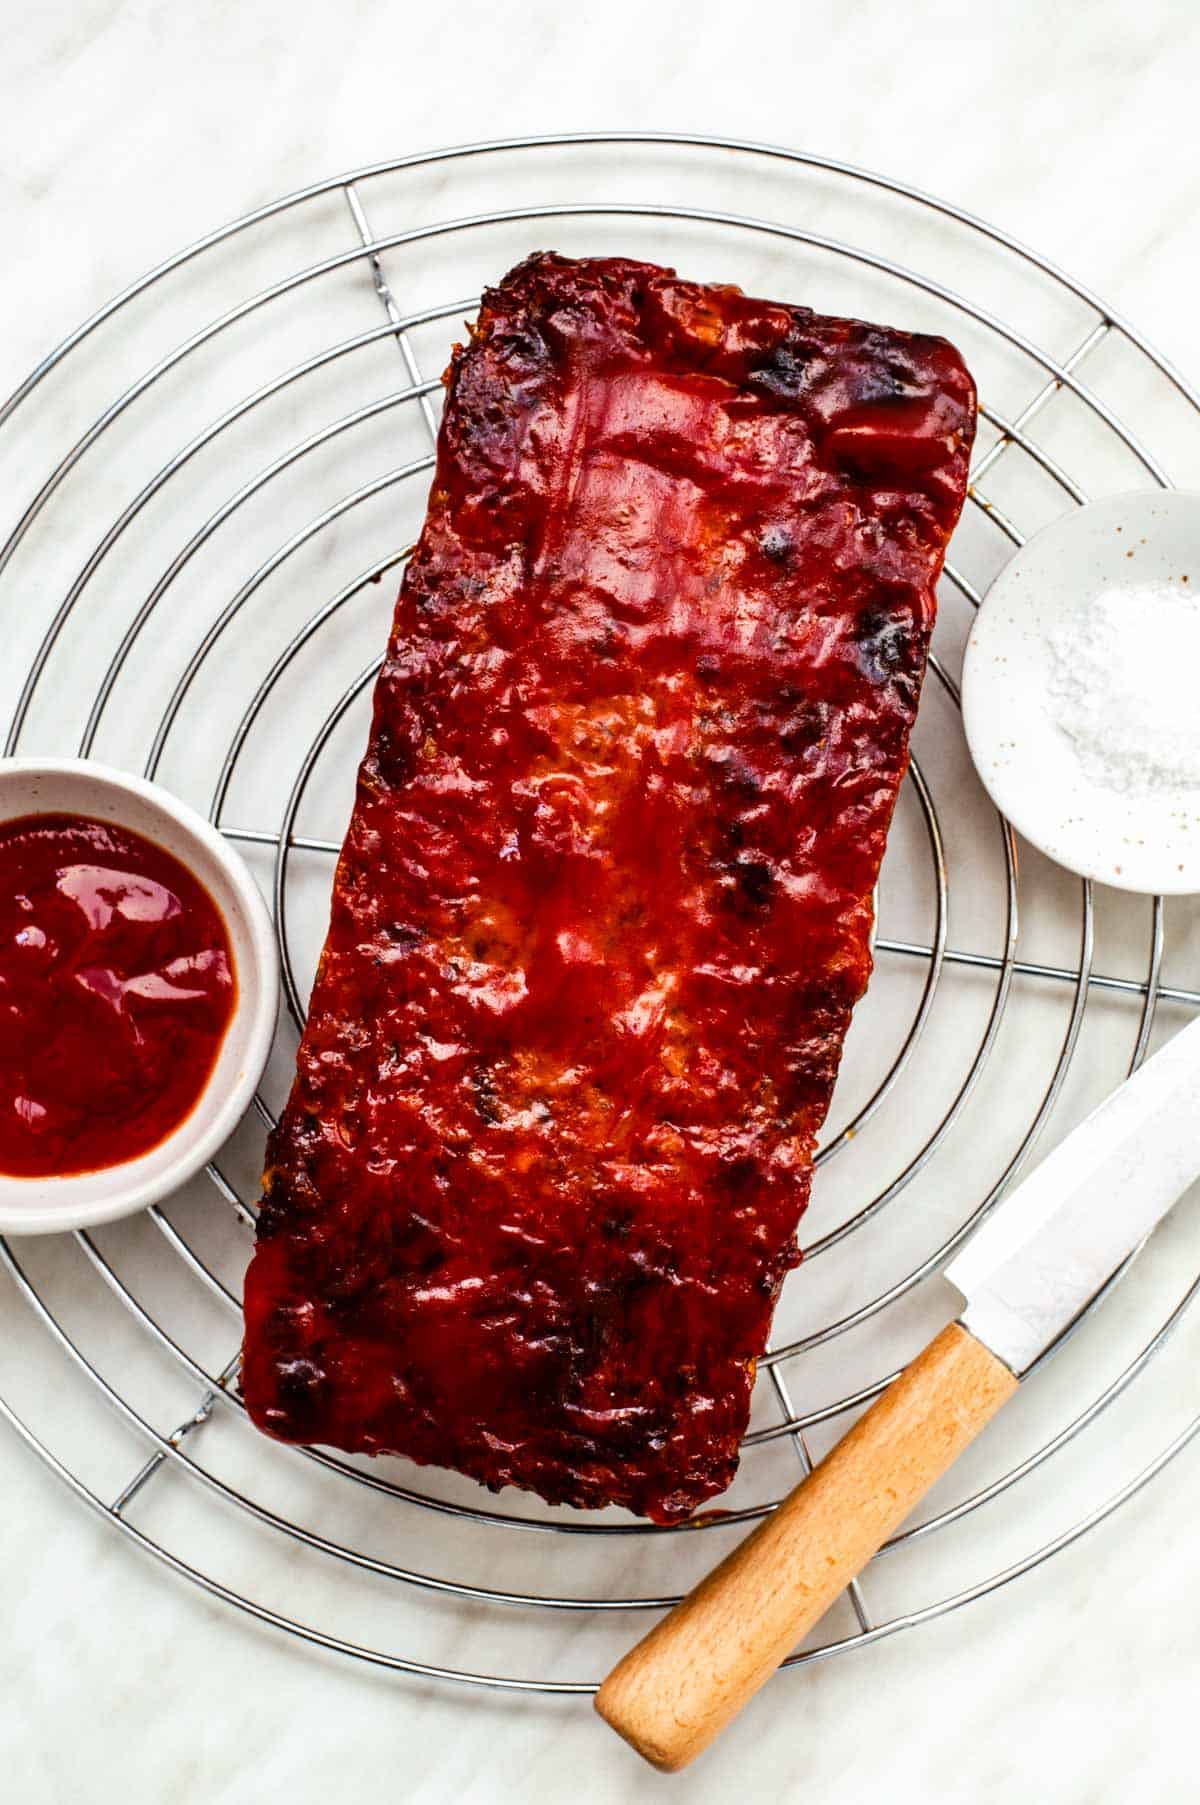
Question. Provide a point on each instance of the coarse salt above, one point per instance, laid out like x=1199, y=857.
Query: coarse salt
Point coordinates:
x=1124, y=688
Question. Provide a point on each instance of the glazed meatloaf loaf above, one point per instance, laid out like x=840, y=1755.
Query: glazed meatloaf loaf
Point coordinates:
x=604, y=904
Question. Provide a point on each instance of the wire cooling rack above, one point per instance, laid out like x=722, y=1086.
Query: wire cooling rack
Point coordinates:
x=238, y=449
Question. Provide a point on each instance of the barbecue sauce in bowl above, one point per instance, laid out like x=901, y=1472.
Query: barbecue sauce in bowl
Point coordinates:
x=117, y=986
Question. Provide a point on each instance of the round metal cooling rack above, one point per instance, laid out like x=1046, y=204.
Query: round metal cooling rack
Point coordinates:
x=281, y=662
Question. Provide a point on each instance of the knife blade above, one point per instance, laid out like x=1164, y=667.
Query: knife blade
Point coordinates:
x=1026, y=1274
x=1049, y=1247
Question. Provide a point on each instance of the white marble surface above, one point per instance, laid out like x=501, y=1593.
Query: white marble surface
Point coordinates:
x=129, y=129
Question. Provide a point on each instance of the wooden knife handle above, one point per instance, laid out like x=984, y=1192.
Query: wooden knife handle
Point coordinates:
x=673, y=1693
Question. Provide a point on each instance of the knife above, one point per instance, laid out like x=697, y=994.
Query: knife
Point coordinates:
x=1025, y=1276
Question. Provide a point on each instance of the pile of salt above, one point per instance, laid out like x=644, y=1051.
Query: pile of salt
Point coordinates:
x=1125, y=688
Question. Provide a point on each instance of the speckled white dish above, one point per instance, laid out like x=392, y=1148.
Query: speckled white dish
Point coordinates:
x=1143, y=548
x=82, y=787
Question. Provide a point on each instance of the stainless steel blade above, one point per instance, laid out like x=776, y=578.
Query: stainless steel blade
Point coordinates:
x=1048, y=1248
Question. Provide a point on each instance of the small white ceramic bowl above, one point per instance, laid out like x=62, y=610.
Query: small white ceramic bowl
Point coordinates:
x=38, y=1206
x=1136, y=552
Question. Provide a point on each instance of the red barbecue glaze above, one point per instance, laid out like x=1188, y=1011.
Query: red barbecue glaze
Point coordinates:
x=604, y=904
x=116, y=988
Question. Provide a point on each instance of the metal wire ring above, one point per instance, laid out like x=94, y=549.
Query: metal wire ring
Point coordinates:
x=1061, y=373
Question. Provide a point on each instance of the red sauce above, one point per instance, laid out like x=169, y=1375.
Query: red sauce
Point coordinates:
x=116, y=987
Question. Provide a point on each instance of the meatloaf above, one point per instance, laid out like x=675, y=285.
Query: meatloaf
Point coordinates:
x=604, y=904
